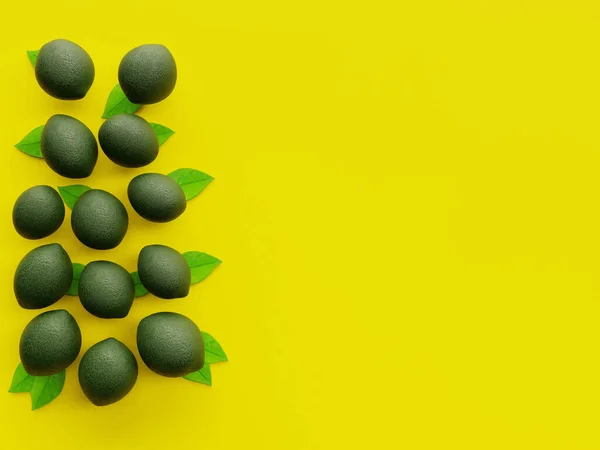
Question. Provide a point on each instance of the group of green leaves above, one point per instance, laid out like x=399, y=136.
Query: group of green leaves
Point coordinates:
x=44, y=389
x=213, y=353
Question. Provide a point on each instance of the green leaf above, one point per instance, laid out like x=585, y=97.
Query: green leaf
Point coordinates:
x=22, y=381
x=30, y=144
x=46, y=389
x=140, y=290
x=162, y=133
x=118, y=103
x=213, y=352
x=74, y=289
x=201, y=376
x=192, y=181
x=32, y=55
x=71, y=193
x=201, y=265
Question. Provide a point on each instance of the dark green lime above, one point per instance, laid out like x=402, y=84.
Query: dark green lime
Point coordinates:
x=147, y=74
x=43, y=276
x=69, y=147
x=106, y=290
x=107, y=372
x=170, y=344
x=38, y=212
x=99, y=219
x=164, y=271
x=50, y=343
x=156, y=197
x=128, y=140
x=64, y=70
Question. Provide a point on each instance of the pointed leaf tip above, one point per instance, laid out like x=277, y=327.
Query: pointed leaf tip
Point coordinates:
x=201, y=265
x=162, y=133
x=32, y=55
x=118, y=103
x=192, y=181
x=31, y=143
x=71, y=193
x=213, y=352
x=203, y=375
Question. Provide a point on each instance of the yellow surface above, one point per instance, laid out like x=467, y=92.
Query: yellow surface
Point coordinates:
x=406, y=204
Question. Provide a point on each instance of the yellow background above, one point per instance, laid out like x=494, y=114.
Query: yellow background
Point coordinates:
x=406, y=204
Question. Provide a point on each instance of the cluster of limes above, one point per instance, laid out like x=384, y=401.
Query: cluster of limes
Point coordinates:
x=170, y=344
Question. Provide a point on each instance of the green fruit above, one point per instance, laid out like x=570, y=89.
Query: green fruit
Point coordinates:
x=43, y=276
x=38, y=212
x=69, y=147
x=50, y=343
x=106, y=290
x=128, y=140
x=164, y=271
x=64, y=70
x=170, y=344
x=99, y=219
x=156, y=197
x=107, y=372
x=147, y=74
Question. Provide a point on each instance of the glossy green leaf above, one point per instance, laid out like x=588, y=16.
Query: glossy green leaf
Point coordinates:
x=140, y=290
x=201, y=265
x=162, y=133
x=32, y=55
x=192, y=181
x=118, y=103
x=22, y=381
x=74, y=288
x=213, y=352
x=71, y=193
x=31, y=144
x=201, y=376
x=46, y=389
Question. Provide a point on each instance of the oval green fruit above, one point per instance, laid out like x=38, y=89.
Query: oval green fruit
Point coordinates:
x=156, y=197
x=106, y=290
x=164, y=271
x=69, y=147
x=43, y=276
x=107, y=372
x=170, y=344
x=38, y=212
x=64, y=70
x=50, y=343
x=128, y=140
x=99, y=219
x=147, y=74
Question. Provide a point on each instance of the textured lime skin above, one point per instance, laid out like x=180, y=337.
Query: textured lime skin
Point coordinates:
x=170, y=344
x=64, y=70
x=156, y=197
x=99, y=219
x=43, y=276
x=69, y=147
x=50, y=343
x=106, y=290
x=107, y=372
x=128, y=140
x=164, y=271
x=147, y=74
x=38, y=212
